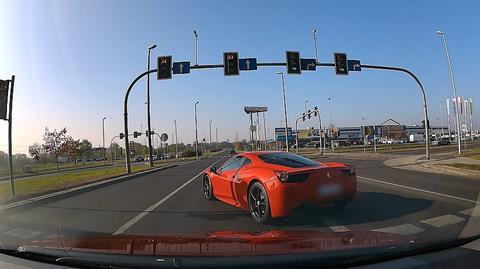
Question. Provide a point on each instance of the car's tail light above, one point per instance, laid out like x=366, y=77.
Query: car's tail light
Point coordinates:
x=349, y=170
x=281, y=175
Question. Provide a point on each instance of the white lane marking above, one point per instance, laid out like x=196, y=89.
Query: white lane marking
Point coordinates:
x=404, y=229
x=474, y=211
x=420, y=190
x=21, y=233
x=339, y=229
x=131, y=222
x=442, y=221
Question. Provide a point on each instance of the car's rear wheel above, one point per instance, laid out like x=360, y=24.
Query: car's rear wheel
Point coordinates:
x=208, y=188
x=258, y=203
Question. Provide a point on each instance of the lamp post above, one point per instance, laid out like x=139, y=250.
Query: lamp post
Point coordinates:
x=331, y=122
x=196, y=130
x=284, y=110
x=150, y=159
x=103, y=140
x=210, y=142
x=305, y=103
x=454, y=89
x=176, y=139
x=314, y=33
x=216, y=137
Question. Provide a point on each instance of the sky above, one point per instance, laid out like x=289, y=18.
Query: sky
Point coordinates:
x=73, y=61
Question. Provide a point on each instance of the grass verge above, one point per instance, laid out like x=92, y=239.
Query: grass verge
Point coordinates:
x=48, y=183
x=475, y=167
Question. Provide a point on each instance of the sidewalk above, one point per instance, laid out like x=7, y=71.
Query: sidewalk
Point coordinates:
x=437, y=164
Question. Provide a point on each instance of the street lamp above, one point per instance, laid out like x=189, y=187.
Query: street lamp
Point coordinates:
x=306, y=110
x=210, y=144
x=314, y=33
x=284, y=109
x=331, y=122
x=196, y=130
x=196, y=46
x=150, y=159
x=454, y=89
x=176, y=139
x=103, y=139
x=216, y=137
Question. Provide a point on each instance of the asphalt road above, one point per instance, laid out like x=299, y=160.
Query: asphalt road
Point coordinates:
x=171, y=201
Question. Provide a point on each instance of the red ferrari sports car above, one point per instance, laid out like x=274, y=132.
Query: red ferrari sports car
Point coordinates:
x=272, y=184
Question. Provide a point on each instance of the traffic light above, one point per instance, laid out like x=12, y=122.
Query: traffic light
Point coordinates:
x=293, y=62
x=164, y=69
x=231, y=64
x=341, y=63
x=428, y=123
x=3, y=99
x=121, y=135
x=315, y=111
x=303, y=116
x=309, y=114
x=136, y=134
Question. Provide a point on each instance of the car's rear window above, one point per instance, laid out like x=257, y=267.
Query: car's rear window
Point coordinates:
x=287, y=159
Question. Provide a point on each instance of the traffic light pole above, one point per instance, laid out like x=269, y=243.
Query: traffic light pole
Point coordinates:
x=273, y=64
x=10, y=122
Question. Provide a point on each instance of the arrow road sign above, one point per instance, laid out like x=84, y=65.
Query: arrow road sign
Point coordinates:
x=248, y=64
x=181, y=67
x=308, y=64
x=354, y=65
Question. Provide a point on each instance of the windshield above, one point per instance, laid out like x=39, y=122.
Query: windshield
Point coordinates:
x=288, y=127
x=287, y=159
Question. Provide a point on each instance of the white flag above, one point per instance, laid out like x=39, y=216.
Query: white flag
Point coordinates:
x=447, y=101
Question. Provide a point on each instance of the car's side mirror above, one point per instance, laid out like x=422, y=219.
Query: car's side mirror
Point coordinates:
x=213, y=169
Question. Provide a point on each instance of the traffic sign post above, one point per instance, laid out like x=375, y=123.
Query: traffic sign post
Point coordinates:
x=5, y=94
x=308, y=64
x=354, y=65
x=181, y=68
x=247, y=64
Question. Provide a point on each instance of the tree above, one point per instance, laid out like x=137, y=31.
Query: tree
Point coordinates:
x=70, y=147
x=35, y=151
x=114, y=150
x=85, y=148
x=53, y=141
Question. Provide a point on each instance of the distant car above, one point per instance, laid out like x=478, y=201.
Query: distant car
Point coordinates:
x=312, y=145
x=272, y=184
x=138, y=159
x=441, y=142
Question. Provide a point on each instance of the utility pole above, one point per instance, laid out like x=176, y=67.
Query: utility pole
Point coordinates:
x=103, y=140
x=5, y=85
x=196, y=130
x=176, y=139
x=216, y=137
x=210, y=142
x=284, y=111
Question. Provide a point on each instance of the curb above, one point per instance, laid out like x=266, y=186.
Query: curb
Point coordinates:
x=443, y=169
x=85, y=187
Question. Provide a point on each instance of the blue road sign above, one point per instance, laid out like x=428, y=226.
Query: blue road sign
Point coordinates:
x=354, y=65
x=248, y=64
x=308, y=64
x=181, y=67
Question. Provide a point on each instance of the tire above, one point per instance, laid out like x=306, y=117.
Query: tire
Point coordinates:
x=258, y=203
x=207, y=188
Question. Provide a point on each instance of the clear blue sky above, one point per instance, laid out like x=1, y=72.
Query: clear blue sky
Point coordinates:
x=73, y=61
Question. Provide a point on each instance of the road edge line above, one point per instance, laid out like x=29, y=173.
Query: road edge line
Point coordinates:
x=138, y=217
x=419, y=190
x=83, y=187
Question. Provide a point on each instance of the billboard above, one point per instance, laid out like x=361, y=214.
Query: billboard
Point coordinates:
x=280, y=134
x=3, y=99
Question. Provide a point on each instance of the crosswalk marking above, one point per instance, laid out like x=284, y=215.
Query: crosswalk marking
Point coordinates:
x=404, y=229
x=21, y=233
x=339, y=229
x=474, y=211
x=444, y=220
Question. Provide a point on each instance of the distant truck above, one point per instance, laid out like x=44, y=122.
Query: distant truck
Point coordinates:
x=416, y=138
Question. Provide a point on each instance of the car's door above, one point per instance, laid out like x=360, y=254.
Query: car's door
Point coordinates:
x=222, y=180
x=239, y=183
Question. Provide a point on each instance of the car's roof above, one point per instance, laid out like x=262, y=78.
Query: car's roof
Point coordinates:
x=256, y=153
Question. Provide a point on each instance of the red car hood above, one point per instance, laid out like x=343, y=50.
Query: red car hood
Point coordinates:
x=227, y=243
